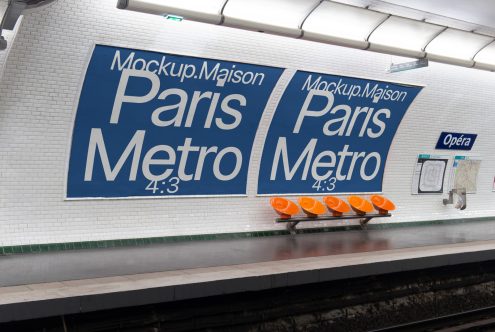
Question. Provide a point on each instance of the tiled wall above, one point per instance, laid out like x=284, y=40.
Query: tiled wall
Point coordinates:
x=41, y=81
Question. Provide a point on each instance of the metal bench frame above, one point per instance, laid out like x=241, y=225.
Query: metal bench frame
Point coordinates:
x=364, y=219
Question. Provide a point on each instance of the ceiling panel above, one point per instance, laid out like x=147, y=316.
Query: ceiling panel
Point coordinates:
x=208, y=11
x=456, y=46
x=475, y=11
x=341, y=24
x=472, y=15
x=275, y=16
x=485, y=59
x=403, y=36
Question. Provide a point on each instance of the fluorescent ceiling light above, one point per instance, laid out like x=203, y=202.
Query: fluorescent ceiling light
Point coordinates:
x=456, y=47
x=341, y=24
x=335, y=23
x=394, y=10
x=208, y=11
x=403, y=36
x=485, y=59
x=275, y=16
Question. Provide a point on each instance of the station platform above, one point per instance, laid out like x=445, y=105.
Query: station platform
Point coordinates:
x=61, y=283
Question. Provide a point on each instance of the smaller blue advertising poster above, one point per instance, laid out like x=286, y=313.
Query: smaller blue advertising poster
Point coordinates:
x=332, y=134
x=155, y=124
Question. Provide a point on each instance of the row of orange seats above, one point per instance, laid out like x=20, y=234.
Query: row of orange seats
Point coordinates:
x=313, y=208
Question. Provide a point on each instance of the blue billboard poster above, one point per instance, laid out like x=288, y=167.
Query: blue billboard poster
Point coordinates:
x=332, y=134
x=154, y=124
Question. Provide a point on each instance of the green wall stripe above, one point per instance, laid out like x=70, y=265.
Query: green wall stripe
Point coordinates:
x=38, y=248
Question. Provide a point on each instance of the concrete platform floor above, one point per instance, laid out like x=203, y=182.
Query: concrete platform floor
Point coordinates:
x=81, y=296
x=59, y=283
x=87, y=264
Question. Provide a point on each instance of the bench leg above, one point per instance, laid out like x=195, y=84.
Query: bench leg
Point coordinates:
x=291, y=227
x=364, y=222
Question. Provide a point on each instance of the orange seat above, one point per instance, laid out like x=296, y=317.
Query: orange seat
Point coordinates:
x=311, y=206
x=360, y=205
x=336, y=206
x=382, y=204
x=284, y=207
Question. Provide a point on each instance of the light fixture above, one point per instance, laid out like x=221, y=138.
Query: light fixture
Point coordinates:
x=208, y=11
x=276, y=16
x=341, y=24
x=402, y=36
x=485, y=59
x=334, y=23
x=456, y=47
x=389, y=7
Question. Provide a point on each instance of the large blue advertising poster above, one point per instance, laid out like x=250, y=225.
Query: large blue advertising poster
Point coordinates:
x=331, y=134
x=154, y=124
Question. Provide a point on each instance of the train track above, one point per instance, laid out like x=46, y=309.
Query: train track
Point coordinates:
x=472, y=321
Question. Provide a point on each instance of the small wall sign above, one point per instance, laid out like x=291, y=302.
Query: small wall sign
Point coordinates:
x=455, y=141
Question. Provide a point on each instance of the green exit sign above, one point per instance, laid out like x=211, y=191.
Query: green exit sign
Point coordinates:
x=176, y=18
